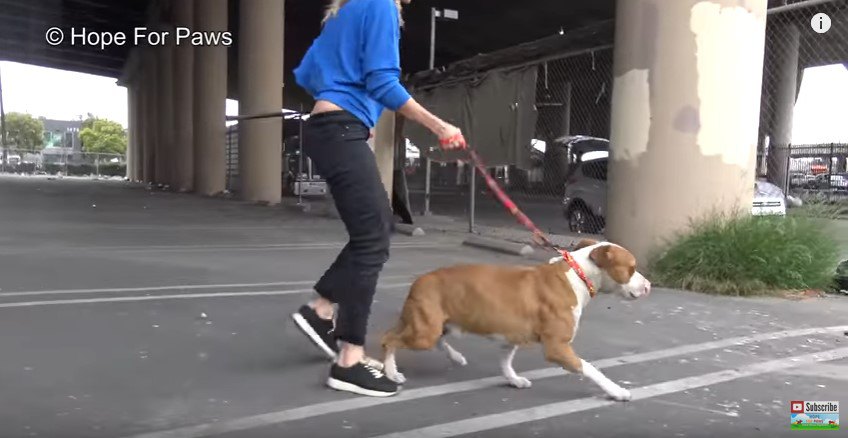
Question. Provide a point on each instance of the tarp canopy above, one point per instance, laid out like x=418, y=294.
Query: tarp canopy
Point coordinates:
x=496, y=113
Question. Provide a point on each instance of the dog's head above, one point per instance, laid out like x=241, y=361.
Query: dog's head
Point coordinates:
x=614, y=270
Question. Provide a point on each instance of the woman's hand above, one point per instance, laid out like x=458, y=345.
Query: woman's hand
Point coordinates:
x=450, y=137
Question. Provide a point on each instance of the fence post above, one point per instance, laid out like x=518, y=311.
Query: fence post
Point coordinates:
x=472, y=185
x=97, y=164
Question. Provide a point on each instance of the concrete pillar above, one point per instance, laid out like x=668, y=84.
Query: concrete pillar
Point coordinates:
x=132, y=129
x=210, y=99
x=138, y=162
x=151, y=119
x=687, y=77
x=183, y=16
x=777, y=165
x=260, y=84
x=165, y=104
x=383, y=145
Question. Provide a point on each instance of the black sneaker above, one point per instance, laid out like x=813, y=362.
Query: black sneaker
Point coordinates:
x=362, y=378
x=320, y=331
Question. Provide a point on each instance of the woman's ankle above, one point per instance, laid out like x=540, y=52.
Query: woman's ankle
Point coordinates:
x=322, y=307
x=350, y=355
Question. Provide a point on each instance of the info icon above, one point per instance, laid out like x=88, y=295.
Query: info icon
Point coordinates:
x=797, y=407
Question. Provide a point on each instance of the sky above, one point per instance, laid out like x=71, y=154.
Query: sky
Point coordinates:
x=55, y=94
x=64, y=95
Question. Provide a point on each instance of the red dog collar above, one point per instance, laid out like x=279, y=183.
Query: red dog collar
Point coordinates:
x=578, y=270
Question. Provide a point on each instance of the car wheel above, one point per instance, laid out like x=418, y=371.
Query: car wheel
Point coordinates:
x=579, y=219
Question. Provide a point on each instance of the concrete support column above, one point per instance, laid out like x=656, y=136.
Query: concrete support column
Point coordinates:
x=151, y=118
x=260, y=82
x=165, y=104
x=685, y=109
x=132, y=129
x=777, y=165
x=138, y=163
x=183, y=156
x=383, y=145
x=210, y=99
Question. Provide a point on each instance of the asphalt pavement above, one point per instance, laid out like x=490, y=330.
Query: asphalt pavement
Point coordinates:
x=126, y=312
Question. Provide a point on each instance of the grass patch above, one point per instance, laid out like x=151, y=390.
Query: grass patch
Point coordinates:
x=745, y=255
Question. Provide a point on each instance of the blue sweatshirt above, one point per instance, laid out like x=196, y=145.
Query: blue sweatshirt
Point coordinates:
x=355, y=61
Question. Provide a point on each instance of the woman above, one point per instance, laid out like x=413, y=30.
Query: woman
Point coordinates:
x=352, y=70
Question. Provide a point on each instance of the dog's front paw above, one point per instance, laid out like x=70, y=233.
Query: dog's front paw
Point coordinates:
x=619, y=394
x=459, y=359
x=396, y=377
x=520, y=382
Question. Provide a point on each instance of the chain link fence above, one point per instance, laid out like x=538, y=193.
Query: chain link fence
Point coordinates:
x=802, y=144
x=815, y=175
x=563, y=187
x=64, y=161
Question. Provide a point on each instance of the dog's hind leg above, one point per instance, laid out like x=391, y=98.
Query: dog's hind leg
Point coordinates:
x=391, y=341
x=453, y=355
x=509, y=372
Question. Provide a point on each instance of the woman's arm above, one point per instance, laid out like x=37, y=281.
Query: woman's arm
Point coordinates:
x=381, y=63
x=450, y=137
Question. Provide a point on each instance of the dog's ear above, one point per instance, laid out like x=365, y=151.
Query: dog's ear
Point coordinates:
x=584, y=243
x=601, y=255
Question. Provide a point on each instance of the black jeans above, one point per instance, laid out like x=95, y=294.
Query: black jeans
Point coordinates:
x=337, y=144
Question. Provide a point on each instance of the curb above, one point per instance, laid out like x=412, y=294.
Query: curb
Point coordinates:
x=409, y=230
x=501, y=246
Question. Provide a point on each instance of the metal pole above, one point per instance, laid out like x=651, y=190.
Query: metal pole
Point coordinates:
x=300, y=160
x=432, y=65
x=799, y=5
x=472, y=184
x=3, y=130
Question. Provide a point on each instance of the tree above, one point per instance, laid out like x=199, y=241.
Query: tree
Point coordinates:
x=103, y=136
x=24, y=132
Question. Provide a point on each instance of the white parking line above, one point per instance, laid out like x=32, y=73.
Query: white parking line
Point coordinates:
x=520, y=416
x=296, y=245
x=173, y=297
x=255, y=421
x=174, y=287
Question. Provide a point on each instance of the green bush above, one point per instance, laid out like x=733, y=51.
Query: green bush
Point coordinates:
x=113, y=169
x=748, y=255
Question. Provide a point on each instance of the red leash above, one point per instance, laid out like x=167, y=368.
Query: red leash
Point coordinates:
x=539, y=237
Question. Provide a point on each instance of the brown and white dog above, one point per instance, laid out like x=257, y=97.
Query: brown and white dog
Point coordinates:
x=519, y=305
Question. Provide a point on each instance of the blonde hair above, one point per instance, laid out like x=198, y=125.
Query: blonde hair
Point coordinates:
x=335, y=5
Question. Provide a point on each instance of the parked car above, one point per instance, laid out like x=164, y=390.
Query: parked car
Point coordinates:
x=836, y=181
x=800, y=179
x=585, y=200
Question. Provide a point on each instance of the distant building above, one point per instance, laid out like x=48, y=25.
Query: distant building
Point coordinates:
x=61, y=141
x=62, y=134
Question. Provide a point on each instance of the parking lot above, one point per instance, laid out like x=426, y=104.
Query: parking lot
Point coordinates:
x=126, y=312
